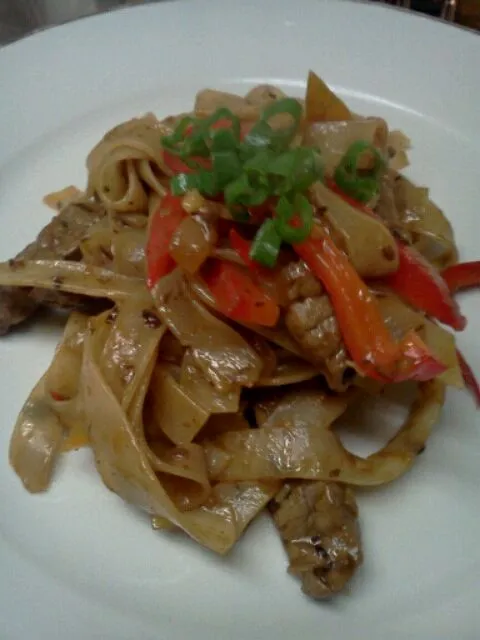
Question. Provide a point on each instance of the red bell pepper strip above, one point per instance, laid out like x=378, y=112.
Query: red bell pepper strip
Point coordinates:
x=420, y=284
x=176, y=165
x=265, y=277
x=465, y=275
x=416, y=280
x=242, y=246
x=419, y=362
x=165, y=221
x=469, y=378
x=237, y=296
x=367, y=338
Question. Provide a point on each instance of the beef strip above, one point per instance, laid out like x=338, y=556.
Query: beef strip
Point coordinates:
x=318, y=524
x=60, y=239
x=311, y=321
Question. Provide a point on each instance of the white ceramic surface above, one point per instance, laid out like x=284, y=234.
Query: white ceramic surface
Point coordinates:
x=76, y=562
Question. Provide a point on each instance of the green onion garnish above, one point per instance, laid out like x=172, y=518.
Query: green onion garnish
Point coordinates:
x=223, y=113
x=360, y=184
x=224, y=140
x=294, y=218
x=266, y=244
x=173, y=141
x=242, y=191
x=226, y=167
x=252, y=170
x=264, y=136
x=205, y=181
x=296, y=170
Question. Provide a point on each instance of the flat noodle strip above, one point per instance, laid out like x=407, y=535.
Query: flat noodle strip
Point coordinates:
x=72, y=277
x=442, y=343
x=202, y=391
x=131, y=345
x=290, y=372
x=58, y=199
x=128, y=248
x=182, y=470
x=366, y=241
x=432, y=232
x=302, y=449
x=39, y=432
x=334, y=138
x=223, y=355
x=175, y=413
x=36, y=441
x=124, y=467
x=126, y=358
x=125, y=349
x=62, y=382
x=96, y=248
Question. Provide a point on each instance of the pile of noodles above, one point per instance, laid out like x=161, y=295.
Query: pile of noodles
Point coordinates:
x=158, y=385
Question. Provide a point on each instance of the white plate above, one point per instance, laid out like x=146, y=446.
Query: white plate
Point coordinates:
x=76, y=562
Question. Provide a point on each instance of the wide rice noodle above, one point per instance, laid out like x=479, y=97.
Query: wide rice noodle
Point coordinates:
x=297, y=442
x=123, y=463
x=159, y=385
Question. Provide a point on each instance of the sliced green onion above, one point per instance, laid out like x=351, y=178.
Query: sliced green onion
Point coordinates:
x=241, y=191
x=361, y=187
x=223, y=140
x=226, y=166
x=195, y=136
x=296, y=210
x=257, y=169
x=195, y=145
x=296, y=170
x=260, y=163
x=205, y=181
x=251, y=171
x=356, y=149
x=263, y=136
x=180, y=183
x=284, y=209
x=259, y=137
x=266, y=244
x=171, y=141
x=237, y=190
x=222, y=114
x=284, y=105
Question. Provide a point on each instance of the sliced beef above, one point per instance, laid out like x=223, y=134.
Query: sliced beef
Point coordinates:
x=311, y=321
x=59, y=239
x=318, y=524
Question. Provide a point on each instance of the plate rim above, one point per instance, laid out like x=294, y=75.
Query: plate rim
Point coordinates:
x=157, y=7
